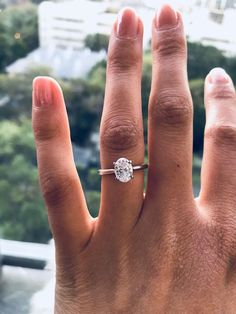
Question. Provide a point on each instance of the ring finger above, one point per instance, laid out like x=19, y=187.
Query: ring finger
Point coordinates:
x=121, y=132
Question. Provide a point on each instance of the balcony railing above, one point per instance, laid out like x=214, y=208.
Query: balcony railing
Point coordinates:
x=24, y=254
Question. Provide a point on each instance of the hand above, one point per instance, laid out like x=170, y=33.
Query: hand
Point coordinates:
x=166, y=252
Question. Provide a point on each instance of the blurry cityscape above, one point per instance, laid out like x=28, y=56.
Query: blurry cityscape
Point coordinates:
x=68, y=40
x=64, y=25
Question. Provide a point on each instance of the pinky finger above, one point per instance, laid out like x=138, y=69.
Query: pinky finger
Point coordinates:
x=69, y=218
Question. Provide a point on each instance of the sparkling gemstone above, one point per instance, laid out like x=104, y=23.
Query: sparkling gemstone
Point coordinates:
x=123, y=170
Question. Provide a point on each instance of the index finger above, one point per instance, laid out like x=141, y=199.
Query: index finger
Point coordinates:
x=60, y=185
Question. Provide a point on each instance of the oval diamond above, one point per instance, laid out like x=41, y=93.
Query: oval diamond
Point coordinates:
x=123, y=170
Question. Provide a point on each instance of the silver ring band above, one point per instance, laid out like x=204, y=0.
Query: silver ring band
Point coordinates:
x=112, y=171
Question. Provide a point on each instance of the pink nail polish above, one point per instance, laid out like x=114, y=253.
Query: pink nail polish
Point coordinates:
x=218, y=76
x=42, y=94
x=166, y=17
x=127, y=24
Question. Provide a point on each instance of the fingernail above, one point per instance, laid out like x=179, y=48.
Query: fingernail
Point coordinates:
x=127, y=24
x=218, y=76
x=42, y=94
x=166, y=17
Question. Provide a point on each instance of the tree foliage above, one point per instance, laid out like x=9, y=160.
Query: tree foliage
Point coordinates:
x=22, y=211
x=83, y=98
x=18, y=32
x=96, y=42
x=197, y=91
x=201, y=59
x=17, y=89
x=84, y=105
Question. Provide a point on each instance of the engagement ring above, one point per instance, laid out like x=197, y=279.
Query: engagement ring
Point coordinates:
x=123, y=169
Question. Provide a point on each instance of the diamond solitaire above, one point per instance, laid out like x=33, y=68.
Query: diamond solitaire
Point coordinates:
x=123, y=169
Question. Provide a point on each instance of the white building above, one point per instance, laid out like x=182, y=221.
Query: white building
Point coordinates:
x=64, y=25
x=218, y=4
x=201, y=28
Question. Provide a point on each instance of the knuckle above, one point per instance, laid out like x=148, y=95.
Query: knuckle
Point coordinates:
x=171, y=110
x=222, y=134
x=56, y=188
x=123, y=59
x=44, y=132
x=170, y=46
x=117, y=135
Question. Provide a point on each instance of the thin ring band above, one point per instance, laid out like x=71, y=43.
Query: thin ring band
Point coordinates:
x=112, y=171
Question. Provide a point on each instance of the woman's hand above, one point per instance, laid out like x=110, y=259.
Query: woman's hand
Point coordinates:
x=166, y=252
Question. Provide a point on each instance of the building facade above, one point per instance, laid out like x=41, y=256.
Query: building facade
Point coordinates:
x=64, y=25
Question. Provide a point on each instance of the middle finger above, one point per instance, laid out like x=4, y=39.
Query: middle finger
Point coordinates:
x=170, y=111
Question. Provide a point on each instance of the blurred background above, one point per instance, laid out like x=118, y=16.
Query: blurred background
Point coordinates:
x=68, y=40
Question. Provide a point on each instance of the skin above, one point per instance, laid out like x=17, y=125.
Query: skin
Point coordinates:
x=163, y=252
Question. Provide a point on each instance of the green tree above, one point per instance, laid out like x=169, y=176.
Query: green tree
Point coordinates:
x=197, y=91
x=84, y=100
x=231, y=68
x=146, y=87
x=84, y=105
x=17, y=90
x=18, y=32
x=201, y=59
x=97, y=75
x=96, y=42
x=93, y=201
x=22, y=211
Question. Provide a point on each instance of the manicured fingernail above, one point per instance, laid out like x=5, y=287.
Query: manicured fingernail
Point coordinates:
x=166, y=17
x=218, y=76
x=42, y=91
x=127, y=24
